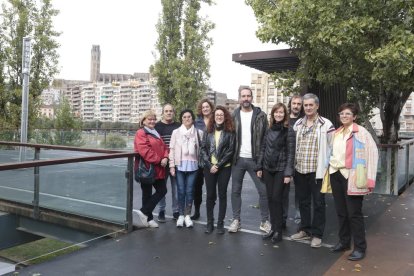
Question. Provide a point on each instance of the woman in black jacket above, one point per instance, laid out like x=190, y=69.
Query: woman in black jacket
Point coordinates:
x=217, y=149
x=275, y=166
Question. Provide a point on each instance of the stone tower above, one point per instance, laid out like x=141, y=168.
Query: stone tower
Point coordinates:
x=95, y=63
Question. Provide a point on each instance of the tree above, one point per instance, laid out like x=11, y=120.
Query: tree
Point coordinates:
x=366, y=46
x=182, y=68
x=68, y=127
x=21, y=18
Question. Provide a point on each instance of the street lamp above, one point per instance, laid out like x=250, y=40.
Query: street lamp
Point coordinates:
x=25, y=94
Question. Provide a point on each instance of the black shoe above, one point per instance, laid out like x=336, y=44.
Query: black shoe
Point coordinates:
x=161, y=217
x=277, y=237
x=356, y=255
x=220, y=228
x=339, y=247
x=209, y=228
x=176, y=215
x=196, y=215
x=268, y=236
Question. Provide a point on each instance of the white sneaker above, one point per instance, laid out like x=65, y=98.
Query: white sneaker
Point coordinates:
x=188, y=221
x=139, y=219
x=316, y=242
x=234, y=226
x=300, y=236
x=265, y=226
x=152, y=224
x=180, y=221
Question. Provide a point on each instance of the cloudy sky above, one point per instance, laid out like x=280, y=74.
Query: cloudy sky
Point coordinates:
x=125, y=31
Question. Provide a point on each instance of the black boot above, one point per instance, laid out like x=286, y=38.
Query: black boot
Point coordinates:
x=220, y=227
x=196, y=215
x=209, y=227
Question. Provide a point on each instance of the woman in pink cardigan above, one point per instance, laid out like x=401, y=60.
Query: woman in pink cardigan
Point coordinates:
x=352, y=169
x=184, y=150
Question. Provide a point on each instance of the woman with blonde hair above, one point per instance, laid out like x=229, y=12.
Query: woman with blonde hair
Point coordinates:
x=152, y=150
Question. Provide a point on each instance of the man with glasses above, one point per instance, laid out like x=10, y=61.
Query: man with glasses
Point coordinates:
x=313, y=141
x=165, y=128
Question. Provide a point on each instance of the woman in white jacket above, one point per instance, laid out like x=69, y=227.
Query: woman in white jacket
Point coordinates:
x=184, y=150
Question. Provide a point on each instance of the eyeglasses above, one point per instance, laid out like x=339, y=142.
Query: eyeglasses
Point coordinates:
x=343, y=114
x=219, y=115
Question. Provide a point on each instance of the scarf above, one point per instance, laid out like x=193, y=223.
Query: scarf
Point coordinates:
x=277, y=126
x=152, y=131
x=189, y=141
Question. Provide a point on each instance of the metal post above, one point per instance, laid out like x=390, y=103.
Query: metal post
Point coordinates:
x=389, y=172
x=25, y=95
x=129, y=174
x=36, y=189
x=395, y=180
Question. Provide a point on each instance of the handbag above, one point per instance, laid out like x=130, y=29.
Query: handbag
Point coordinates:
x=326, y=183
x=144, y=175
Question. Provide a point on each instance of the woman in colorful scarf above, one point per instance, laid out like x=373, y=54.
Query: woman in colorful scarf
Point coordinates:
x=184, y=150
x=352, y=169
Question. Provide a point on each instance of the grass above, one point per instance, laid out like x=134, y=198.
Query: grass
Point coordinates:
x=33, y=250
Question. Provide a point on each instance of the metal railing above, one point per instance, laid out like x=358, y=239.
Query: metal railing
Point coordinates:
x=37, y=164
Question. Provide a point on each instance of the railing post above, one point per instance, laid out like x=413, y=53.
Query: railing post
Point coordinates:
x=389, y=172
x=36, y=189
x=395, y=178
x=129, y=174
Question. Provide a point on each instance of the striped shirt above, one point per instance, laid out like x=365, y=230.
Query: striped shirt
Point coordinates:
x=165, y=130
x=307, y=149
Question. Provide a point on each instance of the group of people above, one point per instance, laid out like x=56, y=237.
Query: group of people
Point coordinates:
x=295, y=145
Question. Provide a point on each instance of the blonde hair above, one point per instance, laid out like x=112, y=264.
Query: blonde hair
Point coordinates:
x=148, y=113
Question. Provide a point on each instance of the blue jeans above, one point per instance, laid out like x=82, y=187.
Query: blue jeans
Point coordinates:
x=185, y=188
x=174, y=204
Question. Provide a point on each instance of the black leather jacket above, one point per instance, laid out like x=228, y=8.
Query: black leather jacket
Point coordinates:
x=224, y=152
x=278, y=151
x=258, y=129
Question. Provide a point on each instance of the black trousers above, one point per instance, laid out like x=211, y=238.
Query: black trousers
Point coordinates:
x=218, y=181
x=309, y=194
x=276, y=191
x=149, y=200
x=198, y=189
x=349, y=212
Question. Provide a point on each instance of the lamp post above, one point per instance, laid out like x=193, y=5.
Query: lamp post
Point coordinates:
x=25, y=94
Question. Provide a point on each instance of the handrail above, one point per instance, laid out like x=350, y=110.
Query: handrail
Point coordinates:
x=56, y=147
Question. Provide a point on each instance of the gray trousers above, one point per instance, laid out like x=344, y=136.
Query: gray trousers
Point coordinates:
x=174, y=201
x=237, y=174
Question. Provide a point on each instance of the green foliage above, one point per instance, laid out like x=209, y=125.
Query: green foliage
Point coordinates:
x=182, y=66
x=366, y=46
x=21, y=18
x=114, y=141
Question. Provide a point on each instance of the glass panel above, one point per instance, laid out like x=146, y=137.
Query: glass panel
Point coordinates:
x=17, y=185
x=96, y=189
x=381, y=181
x=10, y=154
x=401, y=170
x=411, y=164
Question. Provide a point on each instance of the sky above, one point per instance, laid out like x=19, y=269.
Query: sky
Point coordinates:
x=125, y=31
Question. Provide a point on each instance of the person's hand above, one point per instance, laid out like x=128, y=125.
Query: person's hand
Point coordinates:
x=287, y=179
x=214, y=169
x=259, y=174
x=172, y=171
x=164, y=162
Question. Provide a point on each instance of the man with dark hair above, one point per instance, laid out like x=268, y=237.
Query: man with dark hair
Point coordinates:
x=250, y=124
x=165, y=128
x=295, y=107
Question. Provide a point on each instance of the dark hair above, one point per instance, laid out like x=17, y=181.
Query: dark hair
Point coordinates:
x=351, y=106
x=244, y=87
x=289, y=106
x=186, y=111
x=228, y=121
x=200, y=106
x=285, y=118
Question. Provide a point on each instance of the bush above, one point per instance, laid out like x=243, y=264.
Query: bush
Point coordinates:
x=114, y=141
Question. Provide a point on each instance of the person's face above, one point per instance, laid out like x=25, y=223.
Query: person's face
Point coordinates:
x=279, y=115
x=149, y=122
x=296, y=106
x=168, y=113
x=187, y=120
x=205, y=109
x=219, y=117
x=245, y=98
x=346, y=117
x=310, y=107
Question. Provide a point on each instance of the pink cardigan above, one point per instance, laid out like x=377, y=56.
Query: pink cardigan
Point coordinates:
x=176, y=146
